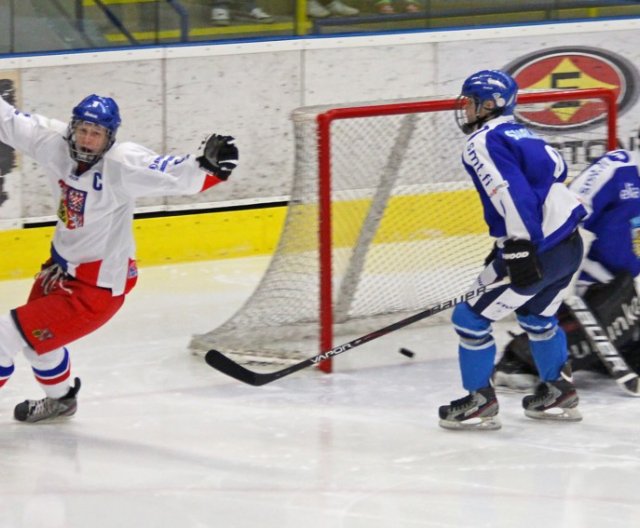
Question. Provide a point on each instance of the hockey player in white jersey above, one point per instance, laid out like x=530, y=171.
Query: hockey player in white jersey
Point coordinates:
x=610, y=190
x=533, y=218
x=95, y=181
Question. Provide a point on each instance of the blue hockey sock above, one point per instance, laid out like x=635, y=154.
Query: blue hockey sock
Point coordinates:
x=550, y=355
x=476, y=364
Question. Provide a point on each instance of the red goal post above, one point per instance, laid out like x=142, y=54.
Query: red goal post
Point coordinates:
x=326, y=119
x=383, y=220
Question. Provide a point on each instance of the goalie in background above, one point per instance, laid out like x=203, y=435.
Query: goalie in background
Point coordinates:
x=610, y=191
x=534, y=219
x=95, y=181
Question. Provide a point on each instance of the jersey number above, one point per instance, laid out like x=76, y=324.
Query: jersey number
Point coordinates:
x=558, y=162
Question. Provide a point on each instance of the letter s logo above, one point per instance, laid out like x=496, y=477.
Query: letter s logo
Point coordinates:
x=97, y=181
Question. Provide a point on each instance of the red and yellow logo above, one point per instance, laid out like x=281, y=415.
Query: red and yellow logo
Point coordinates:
x=573, y=68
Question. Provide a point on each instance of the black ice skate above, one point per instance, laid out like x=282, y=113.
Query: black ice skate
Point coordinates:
x=554, y=400
x=513, y=373
x=478, y=410
x=48, y=408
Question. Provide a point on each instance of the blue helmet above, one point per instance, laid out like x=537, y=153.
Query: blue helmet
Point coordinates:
x=101, y=111
x=494, y=86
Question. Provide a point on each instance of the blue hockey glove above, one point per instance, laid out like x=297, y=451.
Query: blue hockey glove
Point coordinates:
x=219, y=155
x=522, y=263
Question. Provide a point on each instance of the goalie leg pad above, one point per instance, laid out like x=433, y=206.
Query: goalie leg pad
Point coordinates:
x=580, y=351
x=631, y=354
x=617, y=308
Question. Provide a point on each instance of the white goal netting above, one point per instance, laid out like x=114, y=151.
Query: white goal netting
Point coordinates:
x=407, y=229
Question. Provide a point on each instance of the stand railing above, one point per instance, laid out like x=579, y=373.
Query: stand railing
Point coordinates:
x=430, y=12
x=117, y=22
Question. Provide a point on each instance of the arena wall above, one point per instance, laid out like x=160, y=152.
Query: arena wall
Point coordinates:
x=171, y=97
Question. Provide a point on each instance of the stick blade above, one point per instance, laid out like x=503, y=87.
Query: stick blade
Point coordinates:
x=227, y=366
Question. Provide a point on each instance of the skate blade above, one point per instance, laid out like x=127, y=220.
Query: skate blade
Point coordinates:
x=489, y=423
x=555, y=414
x=58, y=418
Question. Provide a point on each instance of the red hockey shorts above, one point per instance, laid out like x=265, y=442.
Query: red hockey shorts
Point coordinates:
x=71, y=310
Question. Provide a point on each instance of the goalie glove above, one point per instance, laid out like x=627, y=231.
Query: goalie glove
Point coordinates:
x=521, y=261
x=219, y=155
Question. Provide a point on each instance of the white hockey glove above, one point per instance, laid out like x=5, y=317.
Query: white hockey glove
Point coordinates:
x=219, y=155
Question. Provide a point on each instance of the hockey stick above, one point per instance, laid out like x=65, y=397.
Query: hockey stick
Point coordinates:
x=227, y=366
x=605, y=350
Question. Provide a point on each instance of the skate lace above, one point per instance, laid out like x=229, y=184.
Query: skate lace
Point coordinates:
x=42, y=407
x=462, y=403
x=541, y=393
x=550, y=394
x=53, y=276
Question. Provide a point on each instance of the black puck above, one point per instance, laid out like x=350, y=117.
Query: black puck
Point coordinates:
x=406, y=352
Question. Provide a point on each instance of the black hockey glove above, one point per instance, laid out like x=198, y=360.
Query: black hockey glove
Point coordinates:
x=219, y=155
x=522, y=264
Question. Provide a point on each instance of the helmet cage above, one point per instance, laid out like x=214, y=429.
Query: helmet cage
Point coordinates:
x=80, y=154
x=462, y=120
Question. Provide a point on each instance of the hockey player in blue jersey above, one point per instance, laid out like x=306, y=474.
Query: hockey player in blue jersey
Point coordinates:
x=533, y=218
x=610, y=191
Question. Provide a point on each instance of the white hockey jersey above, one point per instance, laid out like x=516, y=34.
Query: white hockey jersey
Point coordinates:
x=93, y=238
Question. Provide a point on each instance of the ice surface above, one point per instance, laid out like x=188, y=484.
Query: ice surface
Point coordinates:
x=162, y=440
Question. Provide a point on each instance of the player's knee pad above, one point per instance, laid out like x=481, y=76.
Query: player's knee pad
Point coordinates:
x=473, y=329
x=538, y=327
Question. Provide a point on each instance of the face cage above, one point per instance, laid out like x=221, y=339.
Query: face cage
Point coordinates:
x=469, y=127
x=461, y=115
x=84, y=156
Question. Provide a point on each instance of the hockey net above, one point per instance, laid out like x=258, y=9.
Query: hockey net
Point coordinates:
x=383, y=221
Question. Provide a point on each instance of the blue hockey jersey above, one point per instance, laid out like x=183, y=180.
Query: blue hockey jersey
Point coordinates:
x=519, y=178
x=610, y=190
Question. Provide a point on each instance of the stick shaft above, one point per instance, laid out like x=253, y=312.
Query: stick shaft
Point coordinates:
x=227, y=366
